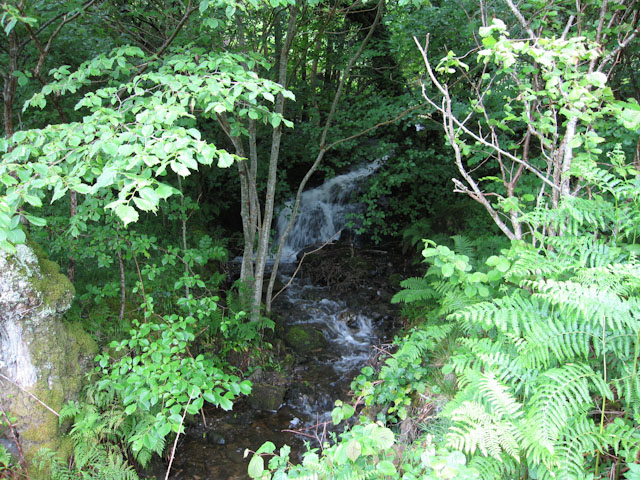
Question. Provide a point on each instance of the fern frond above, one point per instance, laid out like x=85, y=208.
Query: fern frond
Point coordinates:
x=621, y=279
x=581, y=438
x=530, y=262
x=588, y=304
x=476, y=429
x=507, y=314
x=464, y=246
x=561, y=396
x=555, y=339
x=627, y=384
x=416, y=289
x=503, y=403
x=453, y=301
x=492, y=469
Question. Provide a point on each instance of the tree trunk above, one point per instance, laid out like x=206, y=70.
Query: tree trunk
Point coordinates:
x=265, y=230
x=321, y=153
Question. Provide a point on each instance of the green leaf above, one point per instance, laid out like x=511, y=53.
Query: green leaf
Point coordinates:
x=337, y=415
x=164, y=191
x=245, y=387
x=483, y=291
x=106, y=178
x=110, y=148
x=82, y=188
x=256, y=466
x=267, y=447
x=143, y=204
x=180, y=169
x=127, y=214
x=384, y=438
x=150, y=195
x=354, y=449
x=275, y=120
x=503, y=265
x=386, y=467
x=35, y=221
x=226, y=404
x=447, y=270
x=225, y=159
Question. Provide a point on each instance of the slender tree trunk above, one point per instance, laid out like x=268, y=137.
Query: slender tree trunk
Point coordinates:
x=10, y=85
x=123, y=291
x=183, y=227
x=321, y=153
x=265, y=230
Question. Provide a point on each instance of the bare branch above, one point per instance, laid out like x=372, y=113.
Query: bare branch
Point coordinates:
x=520, y=17
x=621, y=46
x=288, y=284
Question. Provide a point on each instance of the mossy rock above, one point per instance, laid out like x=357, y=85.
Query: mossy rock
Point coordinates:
x=267, y=397
x=268, y=390
x=43, y=356
x=305, y=339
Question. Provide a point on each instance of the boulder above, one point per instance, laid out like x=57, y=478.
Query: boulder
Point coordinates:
x=267, y=391
x=41, y=357
x=305, y=339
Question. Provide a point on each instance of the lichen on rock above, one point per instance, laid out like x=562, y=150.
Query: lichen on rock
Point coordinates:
x=39, y=353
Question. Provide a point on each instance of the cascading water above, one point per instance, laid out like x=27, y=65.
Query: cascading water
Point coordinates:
x=320, y=376
x=323, y=211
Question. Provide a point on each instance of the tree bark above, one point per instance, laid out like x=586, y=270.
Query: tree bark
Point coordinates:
x=265, y=230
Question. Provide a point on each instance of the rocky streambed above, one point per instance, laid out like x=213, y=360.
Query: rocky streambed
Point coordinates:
x=327, y=325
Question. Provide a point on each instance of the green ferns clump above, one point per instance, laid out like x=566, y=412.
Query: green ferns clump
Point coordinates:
x=549, y=376
x=548, y=338
x=95, y=453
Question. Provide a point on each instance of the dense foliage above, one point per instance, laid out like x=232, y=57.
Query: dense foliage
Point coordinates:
x=148, y=142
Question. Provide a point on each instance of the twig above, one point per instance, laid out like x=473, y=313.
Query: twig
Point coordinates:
x=14, y=437
x=31, y=395
x=300, y=264
x=175, y=442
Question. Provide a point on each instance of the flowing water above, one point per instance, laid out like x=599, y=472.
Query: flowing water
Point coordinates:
x=214, y=450
x=323, y=211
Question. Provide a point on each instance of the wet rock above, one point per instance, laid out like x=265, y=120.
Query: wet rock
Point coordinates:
x=214, y=438
x=236, y=455
x=268, y=390
x=267, y=397
x=305, y=339
x=350, y=319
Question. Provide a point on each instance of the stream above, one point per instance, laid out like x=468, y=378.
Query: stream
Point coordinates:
x=351, y=324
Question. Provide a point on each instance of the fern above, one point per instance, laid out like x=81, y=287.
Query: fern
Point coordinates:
x=416, y=289
x=476, y=430
x=464, y=246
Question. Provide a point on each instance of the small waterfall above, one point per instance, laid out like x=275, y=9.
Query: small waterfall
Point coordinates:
x=323, y=211
x=319, y=376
